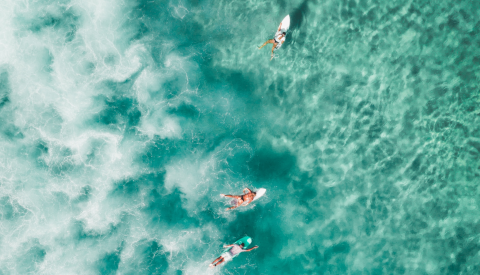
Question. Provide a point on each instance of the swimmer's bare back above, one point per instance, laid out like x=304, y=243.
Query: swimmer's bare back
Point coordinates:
x=246, y=198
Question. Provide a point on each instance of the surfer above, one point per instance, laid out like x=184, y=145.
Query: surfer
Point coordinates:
x=277, y=41
x=245, y=198
x=228, y=255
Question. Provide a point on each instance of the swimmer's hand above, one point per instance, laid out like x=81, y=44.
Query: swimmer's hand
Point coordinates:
x=250, y=249
x=271, y=58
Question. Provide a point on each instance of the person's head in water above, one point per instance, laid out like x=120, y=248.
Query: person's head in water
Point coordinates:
x=284, y=33
x=242, y=245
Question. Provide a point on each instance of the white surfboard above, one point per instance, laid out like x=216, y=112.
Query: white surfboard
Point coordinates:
x=260, y=192
x=285, y=25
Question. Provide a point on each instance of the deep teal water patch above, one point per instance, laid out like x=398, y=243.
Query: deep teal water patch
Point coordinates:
x=7, y=128
x=267, y=164
x=119, y=111
x=159, y=152
x=82, y=236
x=11, y=209
x=64, y=19
x=108, y=264
x=185, y=111
x=85, y=195
x=42, y=16
x=34, y=254
x=150, y=258
x=142, y=188
x=168, y=209
x=4, y=88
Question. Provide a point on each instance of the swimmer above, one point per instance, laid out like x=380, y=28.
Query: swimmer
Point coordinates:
x=277, y=41
x=246, y=198
x=228, y=255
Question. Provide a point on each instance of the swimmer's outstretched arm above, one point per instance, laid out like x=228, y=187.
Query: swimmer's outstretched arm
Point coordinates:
x=250, y=249
x=249, y=191
x=232, y=196
x=275, y=45
x=268, y=41
x=273, y=48
x=233, y=207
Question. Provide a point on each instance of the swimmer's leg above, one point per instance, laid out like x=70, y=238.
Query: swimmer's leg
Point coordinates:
x=233, y=196
x=273, y=48
x=217, y=259
x=233, y=207
x=268, y=41
x=219, y=262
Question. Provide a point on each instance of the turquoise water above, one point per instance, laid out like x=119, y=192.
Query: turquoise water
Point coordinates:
x=122, y=121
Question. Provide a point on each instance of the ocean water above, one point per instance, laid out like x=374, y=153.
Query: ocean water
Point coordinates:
x=121, y=122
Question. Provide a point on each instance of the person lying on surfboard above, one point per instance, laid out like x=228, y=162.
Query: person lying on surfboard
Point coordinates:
x=228, y=255
x=277, y=41
x=246, y=198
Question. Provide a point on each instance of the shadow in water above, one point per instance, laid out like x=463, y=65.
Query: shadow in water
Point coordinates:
x=297, y=22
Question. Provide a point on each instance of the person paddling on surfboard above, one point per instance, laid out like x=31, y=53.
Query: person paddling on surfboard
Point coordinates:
x=277, y=41
x=230, y=254
x=246, y=198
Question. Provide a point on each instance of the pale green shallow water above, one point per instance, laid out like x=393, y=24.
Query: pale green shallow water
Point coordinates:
x=121, y=122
